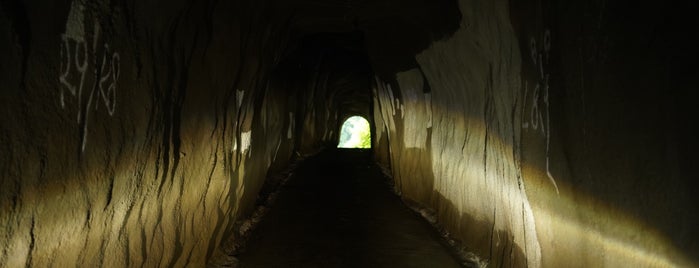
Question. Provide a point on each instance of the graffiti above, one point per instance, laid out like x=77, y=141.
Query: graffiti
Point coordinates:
x=76, y=59
x=110, y=75
x=538, y=117
x=539, y=57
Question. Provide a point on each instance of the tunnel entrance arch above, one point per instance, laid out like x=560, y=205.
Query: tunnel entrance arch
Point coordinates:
x=355, y=133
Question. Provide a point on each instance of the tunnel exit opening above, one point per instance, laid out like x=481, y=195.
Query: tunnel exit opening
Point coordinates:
x=355, y=133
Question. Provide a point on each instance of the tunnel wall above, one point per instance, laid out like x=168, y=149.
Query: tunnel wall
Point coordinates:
x=332, y=74
x=605, y=144
x=550, y=133
x=319, y=110
x=136, y=133
x=539, y=133
x=450, y=124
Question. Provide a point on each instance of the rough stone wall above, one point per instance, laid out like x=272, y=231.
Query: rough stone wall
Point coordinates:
x=451, y=125
x=135, y=133
x=551, y=133
x=319, y=111
x=332, y=74
x=541, y=133
x=606, y=141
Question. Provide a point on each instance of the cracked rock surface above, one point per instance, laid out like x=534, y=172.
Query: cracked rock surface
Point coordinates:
x=539, y=133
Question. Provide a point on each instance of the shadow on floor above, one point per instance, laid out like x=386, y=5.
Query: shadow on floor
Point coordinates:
x=337, y=211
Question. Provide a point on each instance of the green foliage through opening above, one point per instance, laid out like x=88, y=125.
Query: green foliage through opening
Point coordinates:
x=355, y=133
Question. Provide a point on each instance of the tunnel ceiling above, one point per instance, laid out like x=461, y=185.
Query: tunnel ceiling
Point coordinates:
x=394, y=31
x=353, y=41
x=435, y=18
x=337, y=63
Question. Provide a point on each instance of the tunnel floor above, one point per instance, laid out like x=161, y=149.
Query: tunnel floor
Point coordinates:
x=337, y=211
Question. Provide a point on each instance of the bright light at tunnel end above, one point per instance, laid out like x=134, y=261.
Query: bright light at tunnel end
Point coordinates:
x=355, y=133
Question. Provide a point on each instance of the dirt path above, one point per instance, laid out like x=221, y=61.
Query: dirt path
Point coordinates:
x=337, y=211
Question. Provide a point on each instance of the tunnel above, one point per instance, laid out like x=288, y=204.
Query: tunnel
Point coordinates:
x=355, y=133
x=502, y=133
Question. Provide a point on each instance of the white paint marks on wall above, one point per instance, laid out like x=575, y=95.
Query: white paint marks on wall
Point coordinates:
x=239, y=94
x=412, y=108
x=535, y=116
x=75, y=25
x=547, y=43
x=78, y=58
x=110, y=75
x=75, y=62
x=539, y=117
x=428, y=108
x=245, y=139
x=390, y=98
x=396, y=105
x=385, y=98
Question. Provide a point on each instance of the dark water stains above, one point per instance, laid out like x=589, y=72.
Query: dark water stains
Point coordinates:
x=189, y=257
x=214, y=241
x=426, y=88
x=32, y=242
x=177, y=254
x=110, y=192
x=144, y=242
x=127, y=252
